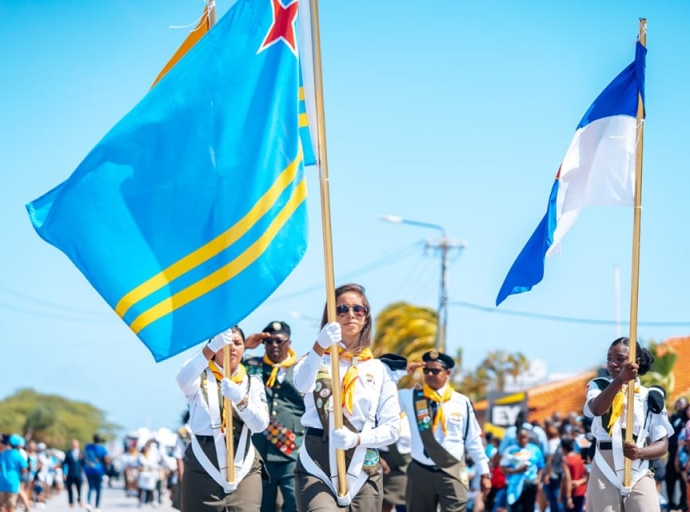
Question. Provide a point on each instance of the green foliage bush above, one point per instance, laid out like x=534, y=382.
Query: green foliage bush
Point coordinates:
x=52, y=419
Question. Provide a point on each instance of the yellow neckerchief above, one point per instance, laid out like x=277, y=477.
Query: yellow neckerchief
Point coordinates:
x=432, y=394
x=351, y=375
x=287, y=363
x=617, y=405
x=237, y=378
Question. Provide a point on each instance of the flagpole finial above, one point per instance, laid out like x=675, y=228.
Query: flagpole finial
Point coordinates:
x=642, y=32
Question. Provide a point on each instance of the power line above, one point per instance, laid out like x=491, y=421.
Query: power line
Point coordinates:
x=49, y=304
x=57, y=316
x=556, y=318
x=385, y=261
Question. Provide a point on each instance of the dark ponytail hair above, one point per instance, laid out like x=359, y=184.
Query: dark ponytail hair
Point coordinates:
x=644, y=356
x=236, y=328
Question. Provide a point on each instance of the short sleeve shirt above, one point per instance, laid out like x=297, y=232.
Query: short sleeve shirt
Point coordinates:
x=11, y=465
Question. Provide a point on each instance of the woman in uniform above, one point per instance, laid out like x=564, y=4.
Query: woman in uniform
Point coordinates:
x=606, y=403
x=205, y=486
x=370, y=408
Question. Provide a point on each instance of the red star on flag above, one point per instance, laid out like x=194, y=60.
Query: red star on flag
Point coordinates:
x=283, y=26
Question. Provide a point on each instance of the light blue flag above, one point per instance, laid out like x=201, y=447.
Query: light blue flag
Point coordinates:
x=191, y=211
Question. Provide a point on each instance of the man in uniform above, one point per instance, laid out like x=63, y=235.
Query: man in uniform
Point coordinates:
x=443, y=427
x=280, y=442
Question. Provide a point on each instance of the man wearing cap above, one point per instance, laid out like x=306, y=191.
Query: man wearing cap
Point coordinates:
x=12, y=466
x=444, y=428
x=280, y=442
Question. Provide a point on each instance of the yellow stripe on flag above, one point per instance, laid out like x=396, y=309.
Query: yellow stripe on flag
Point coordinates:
x=215, y=246
x=227, y=271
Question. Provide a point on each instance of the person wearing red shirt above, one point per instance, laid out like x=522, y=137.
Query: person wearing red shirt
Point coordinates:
x=575, y=477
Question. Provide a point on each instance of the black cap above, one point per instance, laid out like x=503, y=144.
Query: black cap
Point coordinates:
x=277, y=328
x=433, y=356
x=394, y=361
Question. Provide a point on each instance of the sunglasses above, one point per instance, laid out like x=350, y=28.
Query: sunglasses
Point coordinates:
x=432, y=371
x=275, y=341
x=357, y=309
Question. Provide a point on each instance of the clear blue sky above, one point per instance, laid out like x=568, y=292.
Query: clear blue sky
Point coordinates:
x=447, y=112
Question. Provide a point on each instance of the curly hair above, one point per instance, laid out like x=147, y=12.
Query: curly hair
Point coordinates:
x=644, y=357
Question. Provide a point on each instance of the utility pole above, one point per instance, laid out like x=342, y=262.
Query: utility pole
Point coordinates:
x=444, y=245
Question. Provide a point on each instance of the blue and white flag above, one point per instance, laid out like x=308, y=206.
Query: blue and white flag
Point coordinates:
x=598, y=169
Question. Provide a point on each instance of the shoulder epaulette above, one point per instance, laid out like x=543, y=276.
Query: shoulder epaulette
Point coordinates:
x=601, y=383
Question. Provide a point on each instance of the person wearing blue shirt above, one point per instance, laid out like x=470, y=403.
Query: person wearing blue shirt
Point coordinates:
x=12, y=466
x=95, y=463
x=523, y=465
x=537, y=434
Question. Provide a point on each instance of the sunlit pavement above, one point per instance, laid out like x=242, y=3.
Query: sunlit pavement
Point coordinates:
x=112, y=499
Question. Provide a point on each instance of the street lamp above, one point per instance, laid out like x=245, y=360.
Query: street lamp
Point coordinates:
x=298, y=315
x=444, y=245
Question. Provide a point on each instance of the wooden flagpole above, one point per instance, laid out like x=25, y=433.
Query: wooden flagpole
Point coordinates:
x=635, y=281
x=327, y=239
x=227, y=414
x=227, y=371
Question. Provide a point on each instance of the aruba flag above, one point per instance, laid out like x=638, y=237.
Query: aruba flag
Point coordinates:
x=598, y=169
x=191, y=211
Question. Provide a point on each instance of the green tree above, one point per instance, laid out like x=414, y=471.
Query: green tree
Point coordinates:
x=473, y=384
x=405, y=329
x=52, y=419
x=498, y=365
x=661, y=373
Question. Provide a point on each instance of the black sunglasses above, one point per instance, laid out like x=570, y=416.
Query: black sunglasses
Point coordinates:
x=433, y=371
x=275, y=341
x=357, y=309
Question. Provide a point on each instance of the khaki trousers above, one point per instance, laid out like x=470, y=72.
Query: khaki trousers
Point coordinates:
x=394, y=483
x=603, y=496
x=313, y=495
x=427, y=489
x=200, y=493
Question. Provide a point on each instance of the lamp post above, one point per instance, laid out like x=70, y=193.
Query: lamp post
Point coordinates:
x=444, y=245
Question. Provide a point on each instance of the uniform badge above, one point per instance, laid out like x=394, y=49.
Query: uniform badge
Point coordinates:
x=371, y=458
x=423, y=419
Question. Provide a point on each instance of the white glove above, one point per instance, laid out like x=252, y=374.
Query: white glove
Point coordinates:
x=344, y=438
x=220, y=340
x=329, y=335
x=231, y=391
